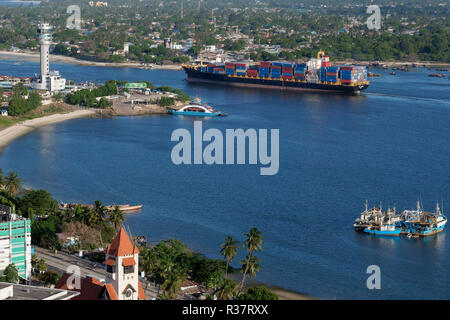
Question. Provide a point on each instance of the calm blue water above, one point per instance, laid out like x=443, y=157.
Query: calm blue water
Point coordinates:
x=389, y=144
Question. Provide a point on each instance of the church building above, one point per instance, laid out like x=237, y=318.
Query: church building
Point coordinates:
x=121, y=281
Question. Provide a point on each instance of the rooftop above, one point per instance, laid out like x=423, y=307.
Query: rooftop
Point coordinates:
x=10, y=291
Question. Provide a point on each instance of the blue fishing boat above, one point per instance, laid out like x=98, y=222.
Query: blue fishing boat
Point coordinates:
x=197, y=108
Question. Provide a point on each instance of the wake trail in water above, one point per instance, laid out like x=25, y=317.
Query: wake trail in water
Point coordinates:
x=444, y=101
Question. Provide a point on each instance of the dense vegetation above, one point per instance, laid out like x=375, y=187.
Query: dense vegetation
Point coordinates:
x=23, y=101
x=168, y=264
x=410, y=29
x=87, y=97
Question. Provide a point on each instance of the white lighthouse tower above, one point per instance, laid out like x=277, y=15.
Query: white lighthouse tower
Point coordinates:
x=50, y=81
x=45, y=40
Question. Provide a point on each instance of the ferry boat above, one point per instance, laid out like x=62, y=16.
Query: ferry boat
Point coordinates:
x=411, y=223
x=197, y=108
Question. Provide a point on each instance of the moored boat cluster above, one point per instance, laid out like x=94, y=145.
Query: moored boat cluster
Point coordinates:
x=411, y=223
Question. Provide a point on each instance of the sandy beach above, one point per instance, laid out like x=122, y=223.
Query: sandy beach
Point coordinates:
x=17, y=130
x=32, y=56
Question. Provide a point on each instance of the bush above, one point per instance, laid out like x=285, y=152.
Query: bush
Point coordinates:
x=183, y=97
x=19, y=106
x=165, y=89
x=87, y=97
x=166, y=102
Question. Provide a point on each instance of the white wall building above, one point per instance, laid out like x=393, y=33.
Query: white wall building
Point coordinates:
x=15, y=242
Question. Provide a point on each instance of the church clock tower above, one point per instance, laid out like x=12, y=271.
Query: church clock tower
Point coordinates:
x=122, y=262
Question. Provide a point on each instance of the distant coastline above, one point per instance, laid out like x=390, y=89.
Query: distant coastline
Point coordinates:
x=34, y=56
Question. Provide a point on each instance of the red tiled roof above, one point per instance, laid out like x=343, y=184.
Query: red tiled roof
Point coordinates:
x=122, y=245
x=91, y=288
x=141, y=293
x=128, y=262
x=110, y=261
x=111, y=292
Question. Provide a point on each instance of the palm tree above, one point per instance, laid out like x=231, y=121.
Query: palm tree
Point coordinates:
x=227, y=290
x=172, y=284
x=116, y=217
x=252, y=264
x=252, y=243
x=229, y=251
x=98, y=213
x=13, y=184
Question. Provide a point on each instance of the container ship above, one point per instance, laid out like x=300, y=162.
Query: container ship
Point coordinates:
x=315, y=75
x=411, y=223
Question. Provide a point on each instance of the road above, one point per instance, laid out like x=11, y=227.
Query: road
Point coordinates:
x=61, y=261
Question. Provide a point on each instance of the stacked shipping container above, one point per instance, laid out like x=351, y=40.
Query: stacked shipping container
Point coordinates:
x=300, y=71
x=332, y=74
x=241, y=69
x=230, y=68
x=350, y=74
x=288, y=71
x=275, y=70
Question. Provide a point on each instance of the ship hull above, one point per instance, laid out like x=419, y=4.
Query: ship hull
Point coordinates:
x=194, y=75
x=196, y=114
x=394, y=233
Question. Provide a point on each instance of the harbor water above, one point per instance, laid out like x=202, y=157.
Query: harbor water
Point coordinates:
x=388, y=144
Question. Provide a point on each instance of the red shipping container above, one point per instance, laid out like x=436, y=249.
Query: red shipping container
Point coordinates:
x=252, y=73
x=275, y=67
x=346, y=81
x=334, y=74
x=229, y=65
x=241, y=65
x=348, y=68
x=287, y=77
x=211, y=65
x=266, y=64
x=287, y=70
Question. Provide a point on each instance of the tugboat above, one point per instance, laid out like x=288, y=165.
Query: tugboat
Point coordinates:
x=196, y=108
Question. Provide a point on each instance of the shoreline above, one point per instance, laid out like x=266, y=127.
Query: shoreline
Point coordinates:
x=19, y=129
x=32, y=56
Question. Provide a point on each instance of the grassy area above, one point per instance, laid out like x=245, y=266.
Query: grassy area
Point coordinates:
x=7, y=121
x=41, y=111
